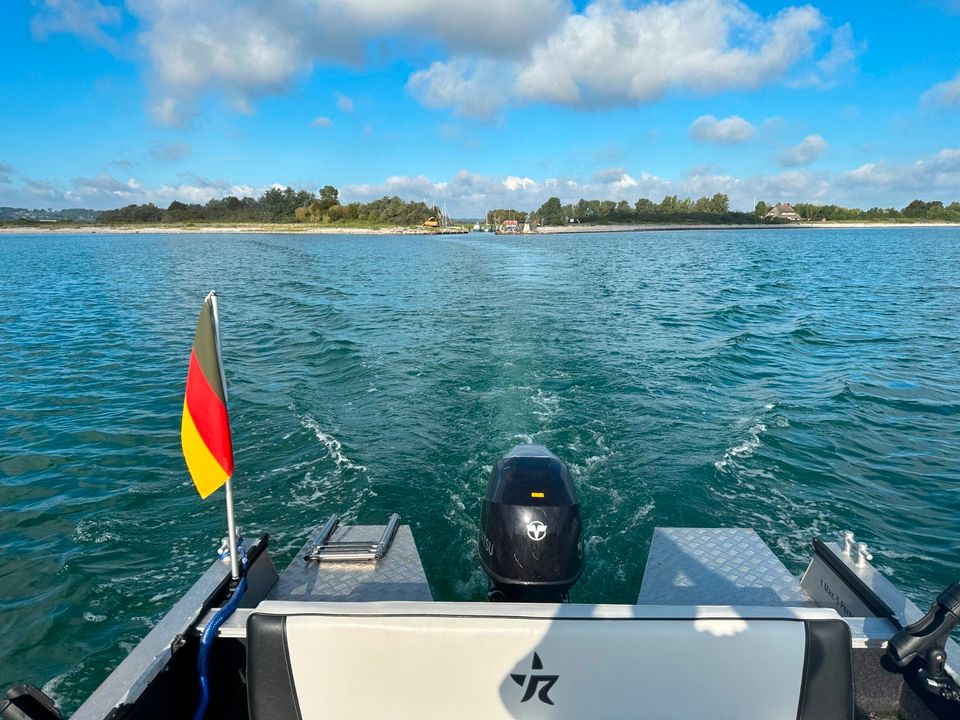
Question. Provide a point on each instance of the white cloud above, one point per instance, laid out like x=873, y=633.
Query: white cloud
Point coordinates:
x=322, y=121
x=611, y=53
x=943, y=95
x=105, y=192
x=728, y=131
x=516, y=183
x=103, y=189
x=417, y=187
x=471, y=194
x=615, y=55
x=105, y=184
x=184, y=192
x=618, y=179
x=84, y=18
x=246, y=49
x=473, y=88
x=344, y=103
x=812, y=147
x=170, y=151
x=935, y=177
x=5, y=170
x=931, y=175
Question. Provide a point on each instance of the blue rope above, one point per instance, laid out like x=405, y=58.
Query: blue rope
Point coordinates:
x=209, y=633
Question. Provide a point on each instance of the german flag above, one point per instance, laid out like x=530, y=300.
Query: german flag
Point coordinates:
x=205, y=429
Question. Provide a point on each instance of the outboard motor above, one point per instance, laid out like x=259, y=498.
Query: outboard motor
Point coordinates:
x=531, y=540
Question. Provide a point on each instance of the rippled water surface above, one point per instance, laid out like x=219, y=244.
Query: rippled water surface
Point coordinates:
x=797, y=382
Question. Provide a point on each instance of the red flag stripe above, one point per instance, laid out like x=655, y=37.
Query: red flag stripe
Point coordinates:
x=209, y=415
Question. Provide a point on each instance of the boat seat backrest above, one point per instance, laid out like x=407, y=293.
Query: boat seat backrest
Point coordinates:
x=466, y=660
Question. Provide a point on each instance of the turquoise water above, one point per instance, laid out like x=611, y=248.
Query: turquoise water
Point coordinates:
x=798, y=382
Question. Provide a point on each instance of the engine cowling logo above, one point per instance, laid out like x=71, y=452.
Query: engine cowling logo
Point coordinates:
x=536, y=531
x=536, y=684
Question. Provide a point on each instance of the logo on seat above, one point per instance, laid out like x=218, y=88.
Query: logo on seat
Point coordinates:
x=536, y=531
x=533, y=682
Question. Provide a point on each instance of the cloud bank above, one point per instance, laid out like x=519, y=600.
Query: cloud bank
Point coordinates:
x=493, y=52
x=883, y=184
x=614, y=55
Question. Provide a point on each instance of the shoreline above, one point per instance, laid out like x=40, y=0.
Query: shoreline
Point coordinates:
x=252, y=229
x=297, y=229
x=857, y=224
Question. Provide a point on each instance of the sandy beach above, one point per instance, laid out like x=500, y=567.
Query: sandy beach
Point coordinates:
x=278, y=228
x=577, y=228
x=302, y=229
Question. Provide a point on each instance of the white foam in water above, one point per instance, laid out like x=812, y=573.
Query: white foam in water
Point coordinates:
x=546, y=404
x=744, y=449
x=334, y=447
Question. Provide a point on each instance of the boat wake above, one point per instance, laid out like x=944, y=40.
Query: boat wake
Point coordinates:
x=334, y=447
x=746, y=448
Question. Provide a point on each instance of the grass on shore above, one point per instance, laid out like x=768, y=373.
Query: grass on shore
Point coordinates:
x=291, y=227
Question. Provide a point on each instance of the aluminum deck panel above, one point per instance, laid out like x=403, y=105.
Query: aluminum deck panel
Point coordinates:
x=904, y=608
x=717, y=566
x=397, y=576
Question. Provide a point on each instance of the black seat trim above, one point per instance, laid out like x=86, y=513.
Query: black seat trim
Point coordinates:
x=826, y=690
x=271, y=693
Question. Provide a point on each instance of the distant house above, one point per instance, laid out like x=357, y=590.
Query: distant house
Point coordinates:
x=509, y=227
x=782, y=211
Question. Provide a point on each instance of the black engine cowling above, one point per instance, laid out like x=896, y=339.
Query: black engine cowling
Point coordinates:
x=531, y=540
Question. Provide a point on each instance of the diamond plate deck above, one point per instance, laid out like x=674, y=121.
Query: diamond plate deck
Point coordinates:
x=397, y=576
x=717, y=566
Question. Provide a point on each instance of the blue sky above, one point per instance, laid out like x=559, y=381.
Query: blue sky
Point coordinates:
x=479, y=104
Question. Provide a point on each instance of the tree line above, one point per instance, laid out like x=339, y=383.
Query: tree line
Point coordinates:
x=279, y=205
x=715, y=209
x=286, y=205
x=916, y=210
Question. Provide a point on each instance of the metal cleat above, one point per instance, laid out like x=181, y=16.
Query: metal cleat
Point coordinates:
x=847, y=538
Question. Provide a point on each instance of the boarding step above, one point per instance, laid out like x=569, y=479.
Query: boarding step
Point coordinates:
x=327, y=550
x=398, y=575
x=717, y=566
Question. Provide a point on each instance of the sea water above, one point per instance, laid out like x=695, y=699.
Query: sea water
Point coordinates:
x=799, y=382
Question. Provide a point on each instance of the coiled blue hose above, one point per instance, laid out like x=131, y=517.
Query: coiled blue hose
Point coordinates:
x=206, y=641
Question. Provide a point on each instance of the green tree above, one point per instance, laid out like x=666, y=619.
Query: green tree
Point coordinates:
x=645, y=206
x=328, y=197
x=719, y=204
x=761, y=209
x=551, y=212
x=670, y=205
x=916, y=209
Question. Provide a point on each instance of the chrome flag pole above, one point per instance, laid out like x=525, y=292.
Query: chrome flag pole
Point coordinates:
x=205, y=428
x=231, y=521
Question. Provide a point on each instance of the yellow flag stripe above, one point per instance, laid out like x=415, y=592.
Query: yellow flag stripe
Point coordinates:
x=206, y=472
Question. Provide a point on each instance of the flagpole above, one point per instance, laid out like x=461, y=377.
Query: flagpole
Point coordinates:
x=231, y=522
